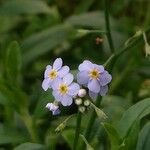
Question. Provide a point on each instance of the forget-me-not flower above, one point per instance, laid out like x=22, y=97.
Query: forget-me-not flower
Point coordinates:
x=54, y=108
x=94, y=77
x=64, y=90
x=54, y=72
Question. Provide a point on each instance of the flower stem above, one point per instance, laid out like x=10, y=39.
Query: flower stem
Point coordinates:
x=90, y=123
x=77, y=132
x=107, y=24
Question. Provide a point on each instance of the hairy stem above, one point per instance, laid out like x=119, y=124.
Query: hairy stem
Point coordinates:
x=77, y=132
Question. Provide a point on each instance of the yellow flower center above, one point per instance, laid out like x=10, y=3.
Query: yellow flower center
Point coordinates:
x=94, y=74
x=52, y=74
x=63, y=89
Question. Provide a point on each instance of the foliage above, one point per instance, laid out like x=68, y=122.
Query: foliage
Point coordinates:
x=35, y=32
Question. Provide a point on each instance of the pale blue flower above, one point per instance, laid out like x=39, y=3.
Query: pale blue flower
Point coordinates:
x=54, y=108
x=94, y=77
x=64, y=90
x=54, y=72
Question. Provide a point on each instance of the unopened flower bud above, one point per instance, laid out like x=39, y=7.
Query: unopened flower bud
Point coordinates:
x=54, y=108
x=82, y=93
x=86, y=102
x=78, y=101
x=82, y=109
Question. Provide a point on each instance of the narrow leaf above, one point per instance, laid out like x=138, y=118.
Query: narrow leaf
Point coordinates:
x=135, y=112
x=17, y=7
x=144, y=138
x=13, y=62
x=112, y=135
x=30, y=146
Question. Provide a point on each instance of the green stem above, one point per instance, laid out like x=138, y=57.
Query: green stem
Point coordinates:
x=77, y=132
x=107, y=24
x=113, y=58
x=90, y=123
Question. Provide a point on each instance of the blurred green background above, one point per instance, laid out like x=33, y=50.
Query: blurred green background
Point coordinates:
x=35, y=32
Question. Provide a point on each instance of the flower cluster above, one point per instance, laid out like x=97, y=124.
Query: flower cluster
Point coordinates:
x=92, y=79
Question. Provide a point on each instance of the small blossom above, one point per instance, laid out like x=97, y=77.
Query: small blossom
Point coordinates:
x=94, y=77
x=54, y=72
x=82, y=93
x=64, y=90
x=54, y=108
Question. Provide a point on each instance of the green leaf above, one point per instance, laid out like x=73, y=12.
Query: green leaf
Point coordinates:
x=112, y=135
x=135, y=112
x=17, y=7
x=144, y=138
x=42, y=42
x=131, y=138
x=88, y=146
x=96, y=20
x=13, y=62
x=83, y=7
x=40, y=109
x=68, y=136
x=15, y=97
x=9, y=135
x=30, y=146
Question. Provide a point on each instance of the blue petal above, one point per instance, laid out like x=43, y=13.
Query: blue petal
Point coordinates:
x=94, y=86
x=48, y=69
x=100, y=68
x=67, y=100
x=105, y=78
x=68, y=78
x=63, y=71
x=93, y=95
x=103, y=90
x=82, y=77
x=57, y=64
x=57, y=96
x=56, y=112
x=73, y=89
x=55, y=84
x=85, y=66
x=46, y=84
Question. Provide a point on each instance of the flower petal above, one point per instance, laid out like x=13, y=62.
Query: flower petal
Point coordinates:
x=93, y=95
x=82, y=77
x=103, y=90
x=68, y=78
x=63, y=71
x=100, y=68
x=48, y=69
x=85, y=66
x=67, y=100
x=94, y=86
x=56, y=112
x=46, y=84
x=105, y=78
x=73, y=89
x=57, y=96
x=57, y=64
x=55, y=84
